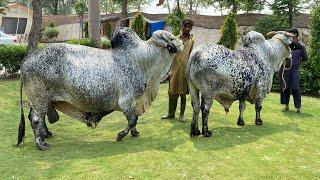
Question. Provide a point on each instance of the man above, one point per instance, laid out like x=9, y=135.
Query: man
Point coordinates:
x=289, y=76
x=178, y=85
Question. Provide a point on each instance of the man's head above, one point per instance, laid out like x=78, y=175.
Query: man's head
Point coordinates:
x=295, y=32
x=187, y=26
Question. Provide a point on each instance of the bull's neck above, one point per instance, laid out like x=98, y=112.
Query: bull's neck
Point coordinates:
x=153, y=59
x=277, y=52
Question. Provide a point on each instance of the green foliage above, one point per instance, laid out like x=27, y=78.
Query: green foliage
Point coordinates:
x=81, y=7
x=51, y=32
x=3, y=5
x=175, y=19
x=229, y=32
x=310, y=75
x=271, y=23
x=107, y=29
x=89, y=42
x=52, y=25
x=286, y=9
x=86, y=30
x=11, y=56
x=138, y=25
x=251, y=5
x=106, y=44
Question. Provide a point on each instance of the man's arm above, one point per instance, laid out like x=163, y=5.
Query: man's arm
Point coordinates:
x=304, y=56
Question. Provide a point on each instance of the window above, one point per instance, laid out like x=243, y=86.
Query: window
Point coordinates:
x=9, y=25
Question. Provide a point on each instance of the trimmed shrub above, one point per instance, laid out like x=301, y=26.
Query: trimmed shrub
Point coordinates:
x=310, y=74
x=51, y=32
x=107, y=29
x=229, y=35
x=138, y=25
x=89, y=42
x=11, y=57
x=175, y=19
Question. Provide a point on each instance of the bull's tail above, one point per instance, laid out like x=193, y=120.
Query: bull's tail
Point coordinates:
x=22, y=128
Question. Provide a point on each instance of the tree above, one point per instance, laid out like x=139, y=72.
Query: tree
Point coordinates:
x=175, y=19
x=251, y=5
x=229, y=35
x=81, y=8
x=286, y=9
x=3, y=5
x=271, y=23
x=110, y=6
x=138, y=25
x=310, y=75
x=94, y=20
x=57, y=6
x=35, y=32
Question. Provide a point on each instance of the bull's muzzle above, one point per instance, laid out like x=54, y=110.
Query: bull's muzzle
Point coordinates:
x=172, y=48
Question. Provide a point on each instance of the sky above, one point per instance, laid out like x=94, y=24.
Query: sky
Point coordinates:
x=153, y=9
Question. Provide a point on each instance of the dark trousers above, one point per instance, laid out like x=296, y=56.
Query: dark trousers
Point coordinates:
x=285, y=97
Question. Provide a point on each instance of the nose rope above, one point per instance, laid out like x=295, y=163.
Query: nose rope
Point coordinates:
x=284, y=66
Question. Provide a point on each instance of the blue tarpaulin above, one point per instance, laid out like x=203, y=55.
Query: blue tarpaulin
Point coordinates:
x=152, y=26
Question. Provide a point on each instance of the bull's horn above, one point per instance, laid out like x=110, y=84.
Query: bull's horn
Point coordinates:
x=271, y=33
x=288, y=34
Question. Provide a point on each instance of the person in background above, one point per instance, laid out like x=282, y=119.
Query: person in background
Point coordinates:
x=178, y=85
x=289, y=75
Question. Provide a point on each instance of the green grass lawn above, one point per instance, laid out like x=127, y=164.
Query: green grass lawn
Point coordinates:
x=287, y=146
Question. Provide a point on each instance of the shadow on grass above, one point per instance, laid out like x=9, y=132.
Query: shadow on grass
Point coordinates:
x=294, y=114
x=227, y=137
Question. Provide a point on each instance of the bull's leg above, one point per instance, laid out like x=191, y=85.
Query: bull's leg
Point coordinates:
x=128, y=108
x=37, y=120
x=242, y=107
x=206, y=103
x=45, y=130
x=132, y=122
x=258, y=108
x=195, y=101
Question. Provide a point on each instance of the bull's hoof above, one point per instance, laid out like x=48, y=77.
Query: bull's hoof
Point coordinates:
x=121, y=135
x=206, y=133
x=43, y=146
x=194, y=131
x=48, y=134
x=240, y=122
x=134, y=132
x=259, y=122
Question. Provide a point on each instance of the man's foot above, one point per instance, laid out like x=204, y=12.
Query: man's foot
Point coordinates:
x=286, y=108
x=167, y=117
x=299, y=111
x=182, y=119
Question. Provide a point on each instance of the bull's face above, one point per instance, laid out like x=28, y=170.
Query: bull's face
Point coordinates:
x=285, y=38
x=167, y=40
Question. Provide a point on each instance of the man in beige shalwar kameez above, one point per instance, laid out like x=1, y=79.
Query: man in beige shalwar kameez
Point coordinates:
x=178, y=85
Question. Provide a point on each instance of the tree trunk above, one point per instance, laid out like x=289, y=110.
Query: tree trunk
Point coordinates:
x=94, y=20
x=55, y=7
x=178, y=4
x=191, y=6
x=290, y=14
x=35, y=32
x=169, y=11
x=124, y=13
x=235, y=7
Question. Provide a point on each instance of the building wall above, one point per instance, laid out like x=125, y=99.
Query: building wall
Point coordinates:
x=18, y=11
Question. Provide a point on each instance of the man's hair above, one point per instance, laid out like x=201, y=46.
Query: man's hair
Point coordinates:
x=187, y=21
x=294, y=31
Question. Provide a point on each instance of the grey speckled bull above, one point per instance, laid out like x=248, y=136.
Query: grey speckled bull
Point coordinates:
x=225, y=75
x=87, y=83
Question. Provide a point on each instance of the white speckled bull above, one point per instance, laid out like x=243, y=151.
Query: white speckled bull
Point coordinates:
x=225, y=75
x=88, y=83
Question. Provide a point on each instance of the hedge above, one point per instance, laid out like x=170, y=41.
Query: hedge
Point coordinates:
x=11, y=57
